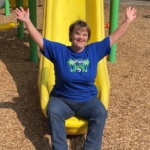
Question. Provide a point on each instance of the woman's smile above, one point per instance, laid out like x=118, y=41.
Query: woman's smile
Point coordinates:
x=79, y=39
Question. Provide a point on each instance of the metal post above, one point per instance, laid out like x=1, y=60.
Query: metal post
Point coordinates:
x=33, y=45
x=20, y=28
x=114, y=7
x=7, y=10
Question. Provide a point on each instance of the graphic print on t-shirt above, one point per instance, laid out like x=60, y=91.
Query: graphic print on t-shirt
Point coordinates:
x=78, y=65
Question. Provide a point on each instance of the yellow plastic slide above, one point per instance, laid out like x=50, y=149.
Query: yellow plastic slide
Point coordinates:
x=58, y=15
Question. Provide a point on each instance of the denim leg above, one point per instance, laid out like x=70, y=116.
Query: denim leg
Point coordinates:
x=96, y=114
x=57, y=113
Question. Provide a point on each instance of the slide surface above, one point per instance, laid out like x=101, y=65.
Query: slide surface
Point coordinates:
x=58, y=15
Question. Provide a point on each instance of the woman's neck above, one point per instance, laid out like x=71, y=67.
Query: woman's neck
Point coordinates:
x=77, y=49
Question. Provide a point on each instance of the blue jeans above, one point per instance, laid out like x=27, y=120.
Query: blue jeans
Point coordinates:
x=92, y=110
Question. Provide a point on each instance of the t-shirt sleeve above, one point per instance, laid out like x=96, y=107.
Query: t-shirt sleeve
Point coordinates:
x=51, y=49
x=101, y=48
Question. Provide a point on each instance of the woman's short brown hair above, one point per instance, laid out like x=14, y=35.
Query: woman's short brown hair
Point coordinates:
x=79, y=24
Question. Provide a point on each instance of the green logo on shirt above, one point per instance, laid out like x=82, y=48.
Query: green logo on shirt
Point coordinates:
x=78, y=65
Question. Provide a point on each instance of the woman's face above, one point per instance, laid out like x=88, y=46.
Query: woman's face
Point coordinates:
x=79, y=39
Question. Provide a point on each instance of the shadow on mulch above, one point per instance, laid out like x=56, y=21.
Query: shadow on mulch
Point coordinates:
x=25, y=75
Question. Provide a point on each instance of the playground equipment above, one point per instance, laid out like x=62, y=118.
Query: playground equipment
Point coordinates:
x=13, y=4
x=9, y=25
x=58, y=15
x=19, y=25
x=6, y=4
x=114, y=6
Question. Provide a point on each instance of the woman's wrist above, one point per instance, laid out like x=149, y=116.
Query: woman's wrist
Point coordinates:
x=27, y=21
x=128, y=20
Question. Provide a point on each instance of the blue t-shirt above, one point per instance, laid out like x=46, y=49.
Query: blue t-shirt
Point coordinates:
x=75, y=72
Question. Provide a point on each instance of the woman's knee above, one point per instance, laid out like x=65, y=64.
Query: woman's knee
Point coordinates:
x=56, y=107
x=53, y=107
x=101, y=110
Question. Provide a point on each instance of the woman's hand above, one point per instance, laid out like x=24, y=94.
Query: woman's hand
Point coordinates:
x=22, y=15
x=130, y=14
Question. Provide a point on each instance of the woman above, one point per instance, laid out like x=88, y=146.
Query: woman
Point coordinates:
x=74, y=92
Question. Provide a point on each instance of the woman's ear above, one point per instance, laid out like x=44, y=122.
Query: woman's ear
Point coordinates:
x=70, y=39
